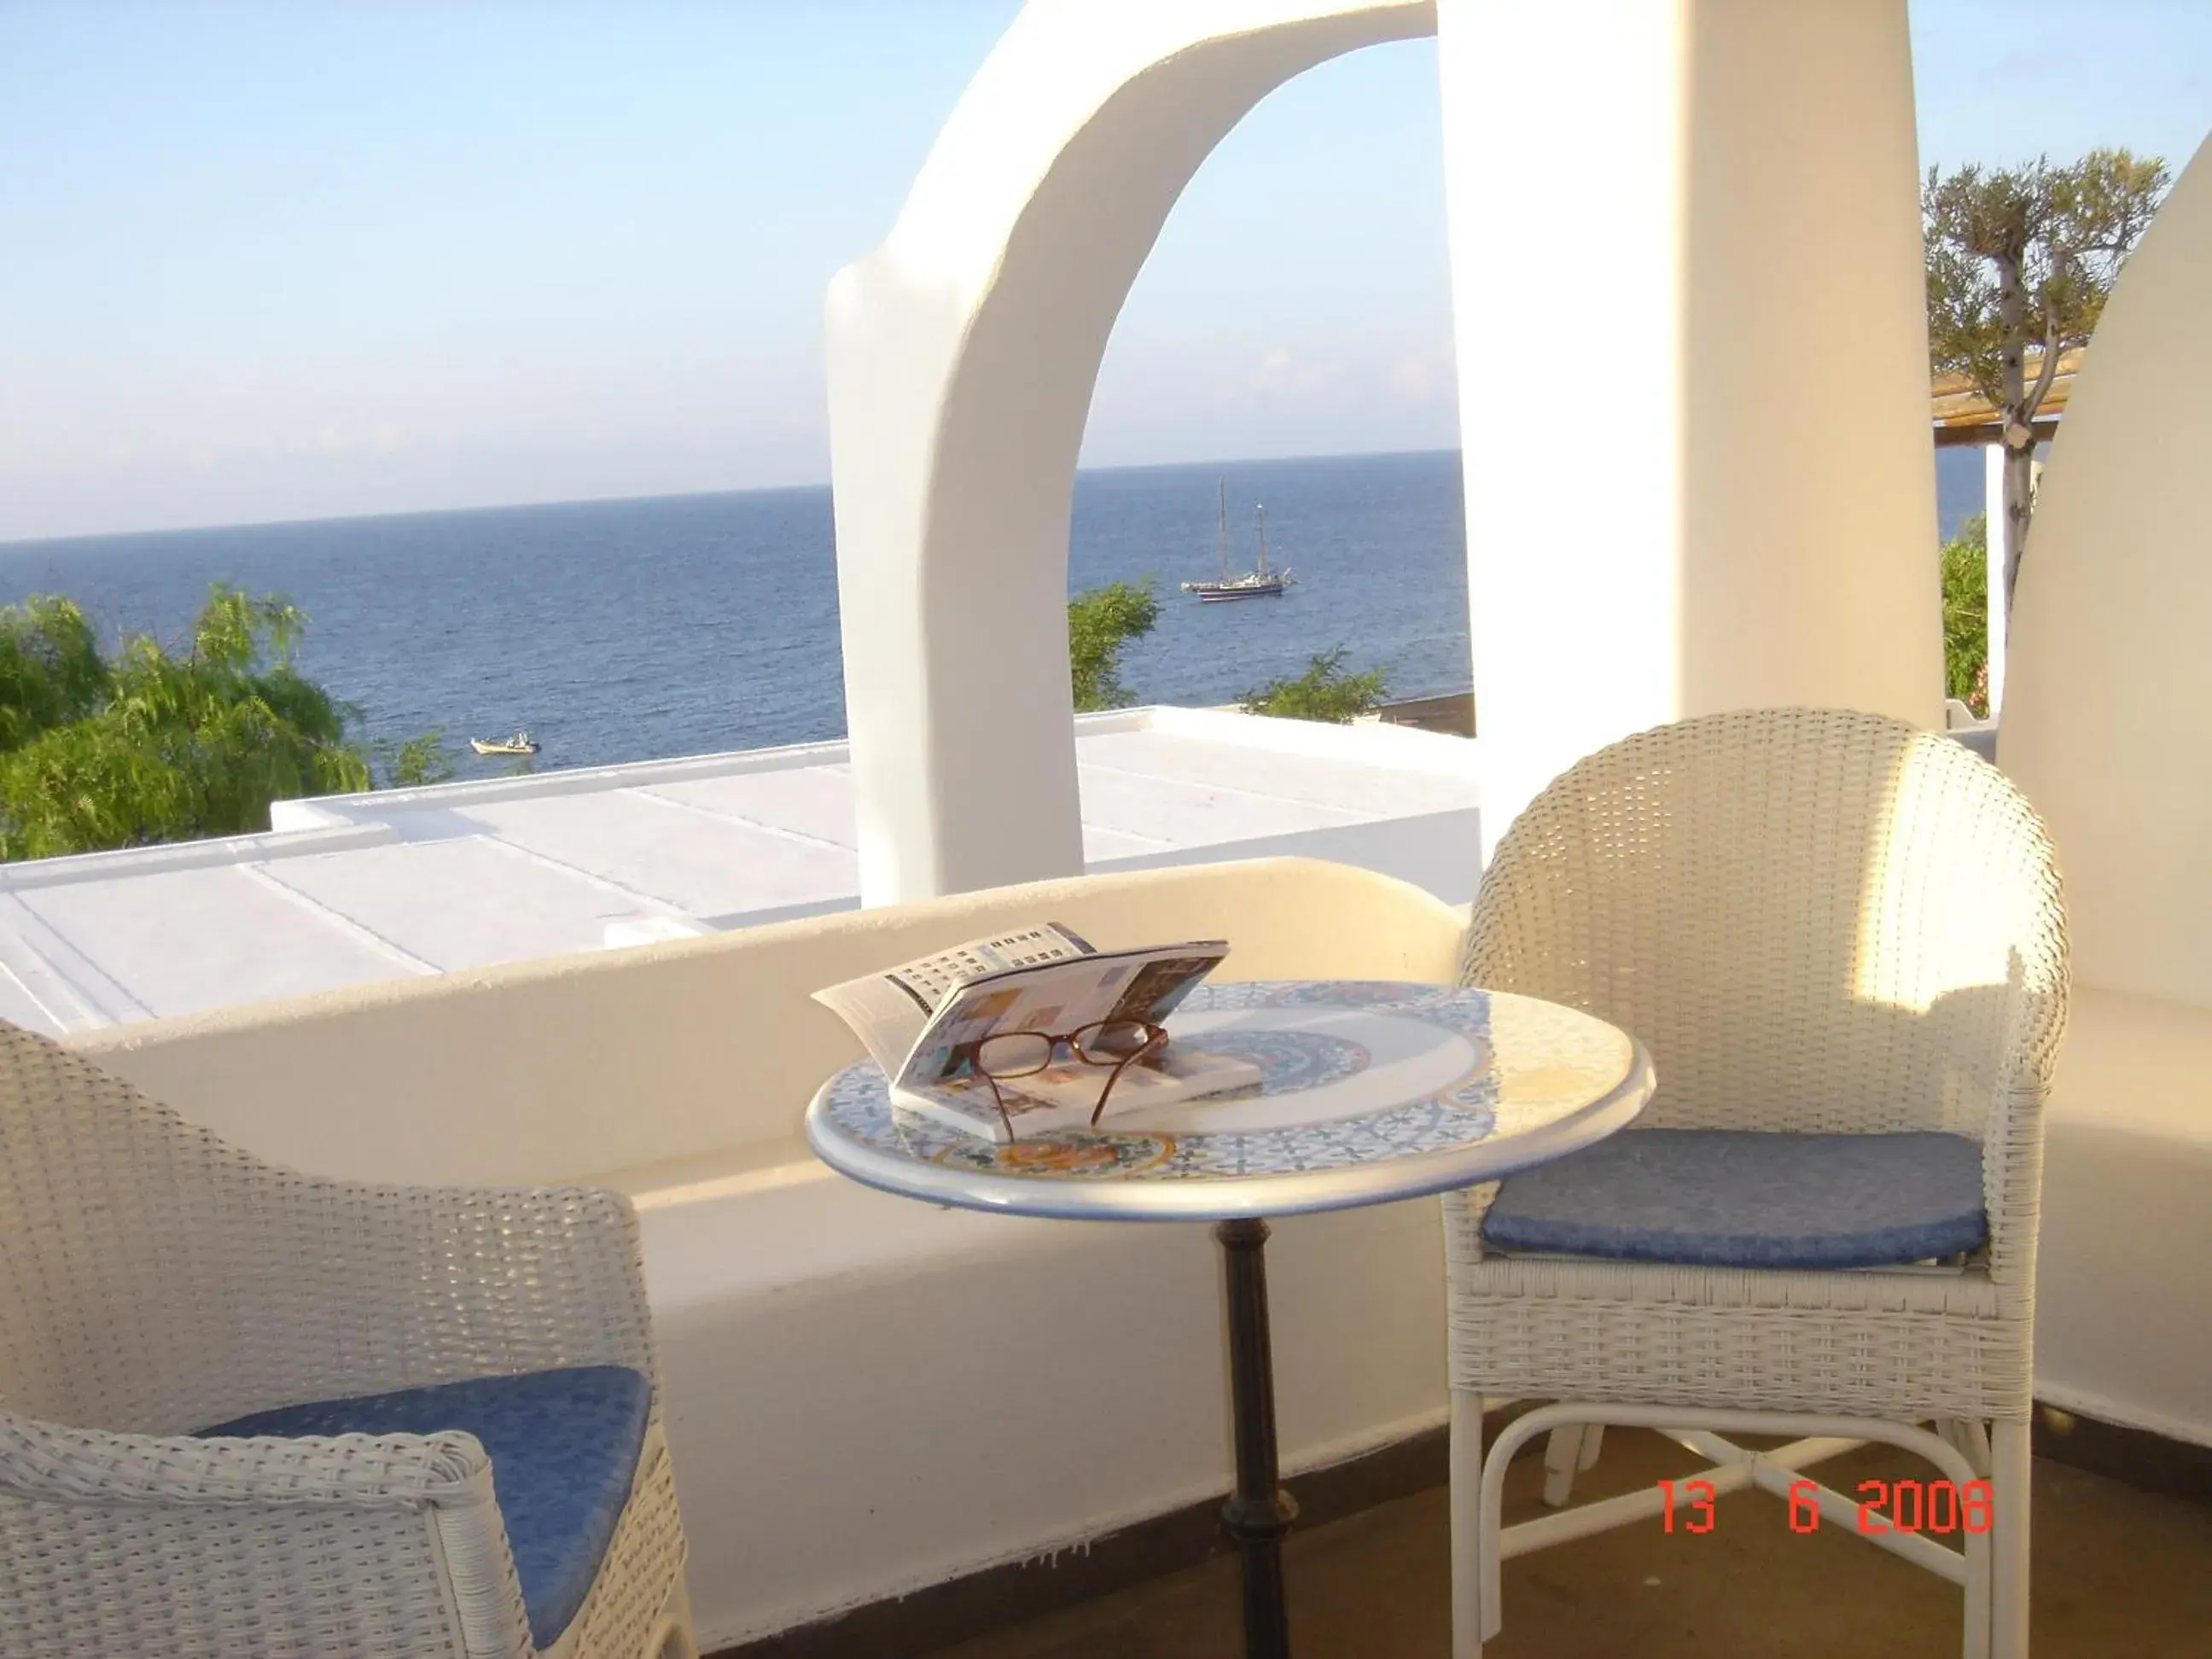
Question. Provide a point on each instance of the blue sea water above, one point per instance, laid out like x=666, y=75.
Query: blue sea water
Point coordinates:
x=639, y=629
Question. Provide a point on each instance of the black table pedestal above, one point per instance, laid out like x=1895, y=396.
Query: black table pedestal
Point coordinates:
x=1260, y=1512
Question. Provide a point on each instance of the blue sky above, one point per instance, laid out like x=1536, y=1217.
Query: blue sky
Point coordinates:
x=263, y=261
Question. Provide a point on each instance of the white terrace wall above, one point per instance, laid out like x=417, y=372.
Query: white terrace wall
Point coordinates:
x=865, y=1395
x=2110, y=678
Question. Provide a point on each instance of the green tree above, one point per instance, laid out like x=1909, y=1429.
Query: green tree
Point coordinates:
x=1323, y=692
x=1966, y=561
x=51, y=670
x=1100, y=622
x=2022, y=257
x=164, y=744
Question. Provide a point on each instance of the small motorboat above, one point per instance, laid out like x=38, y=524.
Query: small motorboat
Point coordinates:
x=520, y=744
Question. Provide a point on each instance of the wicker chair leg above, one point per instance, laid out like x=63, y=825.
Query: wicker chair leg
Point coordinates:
x=1970, y=1435
x=2011, y=1475
x=1477, y=1607
x=1467, y=1543
x=1593, y=1442
x=1563, y=1455
x=1975, y=1433
x=675, y=1638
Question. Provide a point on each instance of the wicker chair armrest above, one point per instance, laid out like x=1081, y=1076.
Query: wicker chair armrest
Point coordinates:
x=176, y=1547
x=1463, y=1213
x=58, y=1463
x=2012, y=1177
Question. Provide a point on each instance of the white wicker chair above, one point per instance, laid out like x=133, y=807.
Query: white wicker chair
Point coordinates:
x=155, y=1282
x=1818, y=922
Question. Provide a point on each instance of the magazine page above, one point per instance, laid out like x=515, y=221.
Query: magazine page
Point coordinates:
x=889, y=1011
x=926, y=979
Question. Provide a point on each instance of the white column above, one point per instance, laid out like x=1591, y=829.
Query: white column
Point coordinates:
x=1993, y=519
x=1660, y=210
x=962, y=354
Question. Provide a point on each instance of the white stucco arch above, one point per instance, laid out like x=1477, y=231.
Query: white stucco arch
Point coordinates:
x=961, y=356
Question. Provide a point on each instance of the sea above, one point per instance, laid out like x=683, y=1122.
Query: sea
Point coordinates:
x=642, y=629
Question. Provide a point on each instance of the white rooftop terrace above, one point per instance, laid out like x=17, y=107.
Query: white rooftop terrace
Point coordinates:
x=349, y=889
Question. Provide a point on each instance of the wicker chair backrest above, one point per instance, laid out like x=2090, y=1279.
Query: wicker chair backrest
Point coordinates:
x=115, y=1215
x=1816, y=919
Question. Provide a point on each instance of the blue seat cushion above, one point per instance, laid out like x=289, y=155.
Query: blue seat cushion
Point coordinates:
x=564, y=1446
x=1737, y=1198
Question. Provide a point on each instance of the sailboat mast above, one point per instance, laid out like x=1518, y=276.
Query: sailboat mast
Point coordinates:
x=1221, y=536
x=1263, y=511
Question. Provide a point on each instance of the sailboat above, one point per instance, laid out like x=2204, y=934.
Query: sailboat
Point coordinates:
x=1259, y=584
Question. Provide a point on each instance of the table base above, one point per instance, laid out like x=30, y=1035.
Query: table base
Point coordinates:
x=1258, y=1515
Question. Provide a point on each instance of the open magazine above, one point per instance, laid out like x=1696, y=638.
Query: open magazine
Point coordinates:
x=922, y=1020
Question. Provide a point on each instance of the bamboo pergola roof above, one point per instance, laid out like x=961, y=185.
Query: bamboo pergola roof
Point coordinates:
x=1962, y=416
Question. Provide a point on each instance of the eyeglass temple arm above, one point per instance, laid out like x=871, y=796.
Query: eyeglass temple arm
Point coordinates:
x=1155, y=1039
x=975, y=1065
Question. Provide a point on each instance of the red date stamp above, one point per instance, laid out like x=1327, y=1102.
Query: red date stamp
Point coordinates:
x=1938, y=1506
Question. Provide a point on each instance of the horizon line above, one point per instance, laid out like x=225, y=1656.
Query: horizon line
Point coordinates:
x=11, y=546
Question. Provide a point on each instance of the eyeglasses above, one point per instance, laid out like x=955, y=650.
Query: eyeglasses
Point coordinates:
x=1111, y=1043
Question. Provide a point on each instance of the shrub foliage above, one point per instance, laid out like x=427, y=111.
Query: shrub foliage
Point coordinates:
x=1323, y=692
x=1100, y=622
x=1966, y=616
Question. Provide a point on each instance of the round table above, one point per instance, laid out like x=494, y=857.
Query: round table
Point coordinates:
x=1373, y=1091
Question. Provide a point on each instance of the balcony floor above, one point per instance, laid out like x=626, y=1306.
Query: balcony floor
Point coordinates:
x=2117, y=1571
